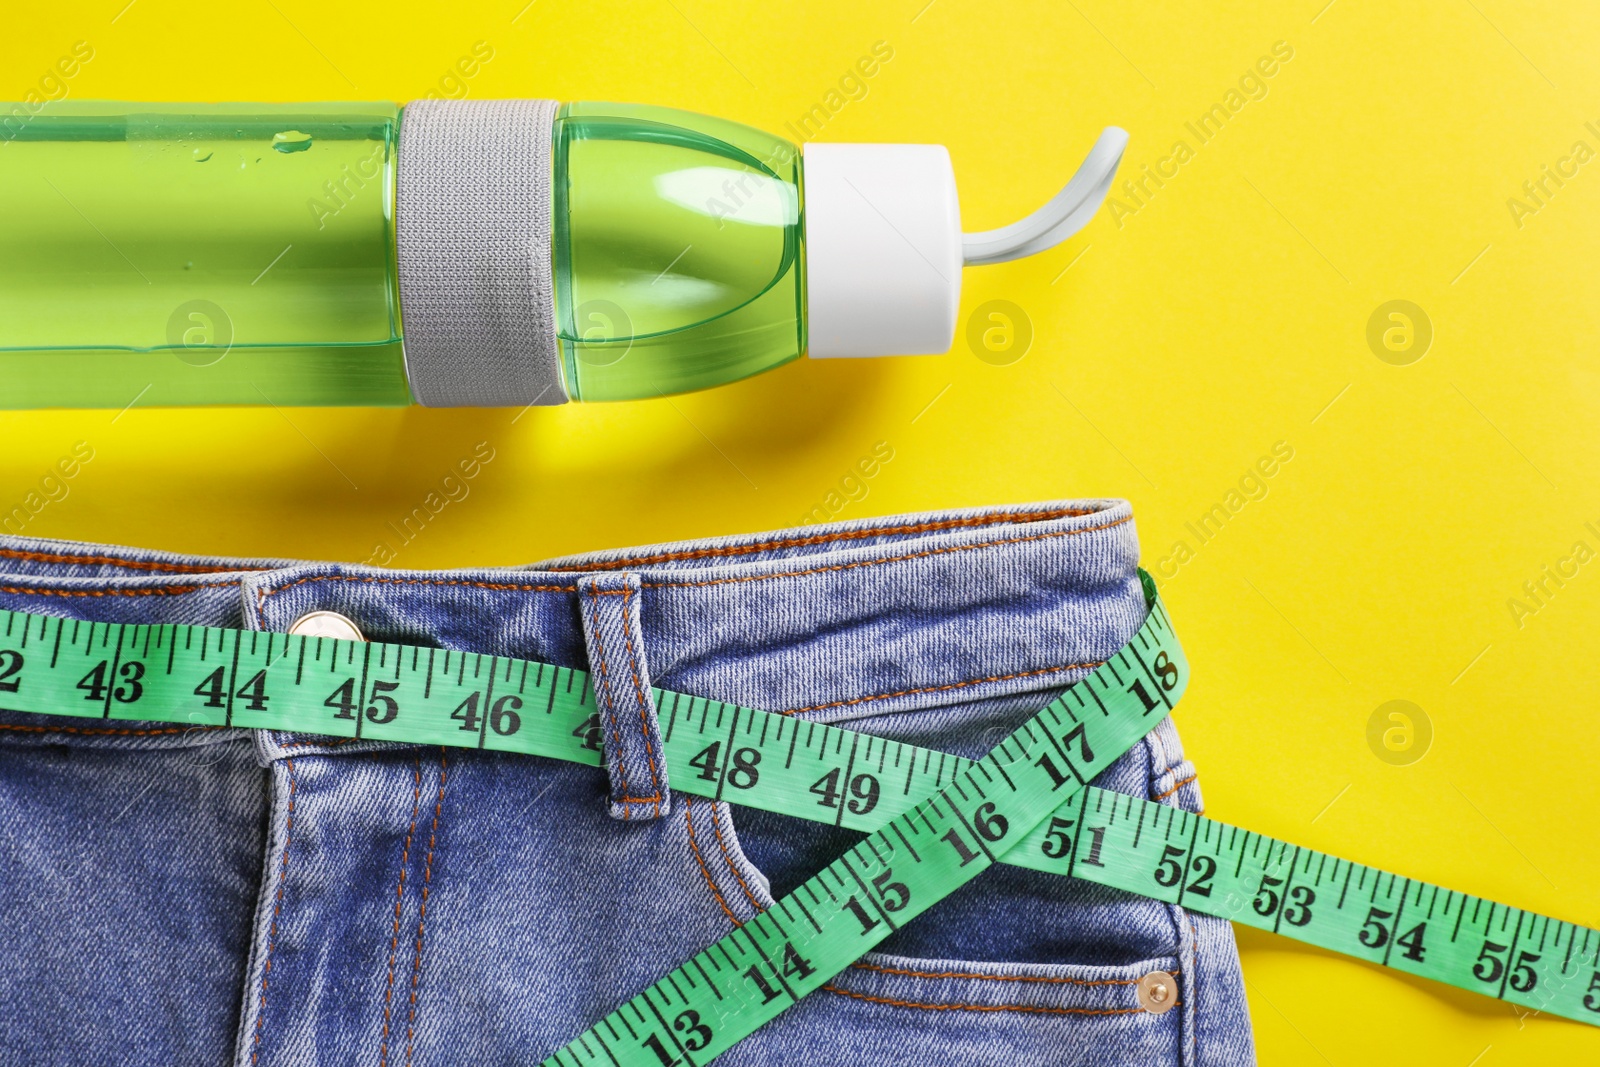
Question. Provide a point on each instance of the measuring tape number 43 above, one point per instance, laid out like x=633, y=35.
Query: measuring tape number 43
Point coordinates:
x=934, y=821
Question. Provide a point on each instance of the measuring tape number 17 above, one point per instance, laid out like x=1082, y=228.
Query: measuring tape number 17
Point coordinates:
x=936, y=820
x=909, y=864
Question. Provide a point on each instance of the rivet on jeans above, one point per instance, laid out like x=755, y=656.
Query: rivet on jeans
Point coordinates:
x=1158, y=992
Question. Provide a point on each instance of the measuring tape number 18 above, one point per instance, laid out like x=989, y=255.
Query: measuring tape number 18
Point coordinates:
x=1028, y=802
x=935, y=820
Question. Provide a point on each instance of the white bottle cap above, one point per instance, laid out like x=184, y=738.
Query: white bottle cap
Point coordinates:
x=884, y=247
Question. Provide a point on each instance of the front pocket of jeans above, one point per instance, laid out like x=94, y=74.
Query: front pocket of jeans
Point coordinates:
x=898, y=1010
x=956, y=987
x=1013, y=968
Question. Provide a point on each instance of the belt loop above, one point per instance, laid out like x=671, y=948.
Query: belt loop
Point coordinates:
x=630, y=733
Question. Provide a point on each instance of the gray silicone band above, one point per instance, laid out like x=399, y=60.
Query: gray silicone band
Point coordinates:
x=472, y=223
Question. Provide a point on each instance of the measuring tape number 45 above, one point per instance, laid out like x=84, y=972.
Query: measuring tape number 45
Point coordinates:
x=934, y=821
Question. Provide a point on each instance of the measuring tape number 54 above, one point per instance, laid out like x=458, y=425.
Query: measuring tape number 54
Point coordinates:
x=935, y=821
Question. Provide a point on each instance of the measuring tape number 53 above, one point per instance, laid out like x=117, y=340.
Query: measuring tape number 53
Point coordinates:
x=935, y=821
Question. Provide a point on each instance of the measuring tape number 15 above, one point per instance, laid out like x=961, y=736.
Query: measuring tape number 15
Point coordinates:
x=911, y=863
x=935, y=820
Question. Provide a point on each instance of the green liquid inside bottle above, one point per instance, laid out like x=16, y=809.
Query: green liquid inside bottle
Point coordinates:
x=246, y=254
x=679, y=260
x=465, y=252
x=199, y=254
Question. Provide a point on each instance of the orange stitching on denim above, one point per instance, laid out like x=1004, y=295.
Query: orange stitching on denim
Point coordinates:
x=644, y=705
x=399, y=897
x=263, y=593
x=992, y=519
x=986, y=1007
x=266, y=591
x=86, y=730
x=611, y=709
x=998, y=977
x=946, y=686
x=422, y=912
x=727, y=858
x=154, y=590
x=705, y=872
x=891, y=559
x=1175, y=788
x=119, y=561
x=277, y=903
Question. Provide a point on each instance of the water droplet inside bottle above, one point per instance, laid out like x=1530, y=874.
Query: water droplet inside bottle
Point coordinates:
x=291, y=141
x=198, y=158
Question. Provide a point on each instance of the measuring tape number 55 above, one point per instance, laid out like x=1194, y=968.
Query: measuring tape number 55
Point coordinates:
x=935, y=821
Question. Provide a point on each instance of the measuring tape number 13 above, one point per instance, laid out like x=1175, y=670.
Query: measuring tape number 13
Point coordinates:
x=911, y=863
x=1028, y=804
x=936, y=820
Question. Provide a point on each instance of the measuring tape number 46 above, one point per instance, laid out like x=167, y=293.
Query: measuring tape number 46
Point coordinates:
x=934, y=821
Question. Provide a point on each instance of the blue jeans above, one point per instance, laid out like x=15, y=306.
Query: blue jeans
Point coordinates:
x=177, y=895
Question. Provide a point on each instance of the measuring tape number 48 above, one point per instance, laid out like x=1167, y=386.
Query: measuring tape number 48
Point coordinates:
x=934, y=821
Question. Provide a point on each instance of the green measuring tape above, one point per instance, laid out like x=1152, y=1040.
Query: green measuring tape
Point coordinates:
x=935, y=820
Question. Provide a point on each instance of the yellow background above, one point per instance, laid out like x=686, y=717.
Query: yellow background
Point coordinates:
x=1226, y=313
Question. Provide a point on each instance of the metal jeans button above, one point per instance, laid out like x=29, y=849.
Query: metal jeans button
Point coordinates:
x=326, y=624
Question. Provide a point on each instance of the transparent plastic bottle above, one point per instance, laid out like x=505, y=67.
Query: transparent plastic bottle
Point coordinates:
x=199, y=254
x=679, y=255
x=251, y=254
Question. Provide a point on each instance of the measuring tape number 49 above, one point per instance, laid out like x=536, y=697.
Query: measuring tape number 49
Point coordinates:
x=935, y=821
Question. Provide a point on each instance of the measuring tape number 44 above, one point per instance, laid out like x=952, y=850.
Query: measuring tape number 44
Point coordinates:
x=934, y=821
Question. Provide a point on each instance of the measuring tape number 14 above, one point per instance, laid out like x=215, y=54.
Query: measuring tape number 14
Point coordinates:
x=1028, y=802
x=935, y=820
x=913, y=861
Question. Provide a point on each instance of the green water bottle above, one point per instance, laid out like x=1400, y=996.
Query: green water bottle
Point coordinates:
x=465, y=253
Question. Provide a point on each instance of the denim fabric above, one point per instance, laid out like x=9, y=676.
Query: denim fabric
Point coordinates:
x=630, y=731
x=175, y=895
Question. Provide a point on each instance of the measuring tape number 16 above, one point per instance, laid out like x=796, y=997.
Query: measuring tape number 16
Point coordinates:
x=935, y=820
x=911, y=863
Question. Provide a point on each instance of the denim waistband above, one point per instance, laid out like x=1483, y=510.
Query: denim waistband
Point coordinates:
x=840, y=620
